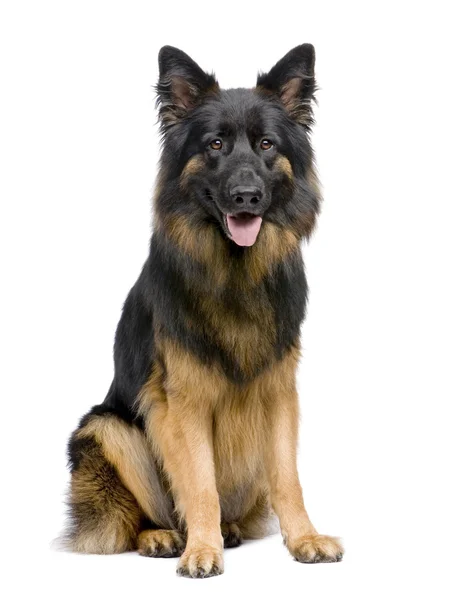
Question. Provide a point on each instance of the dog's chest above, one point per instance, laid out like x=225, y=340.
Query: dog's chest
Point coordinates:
x=241, y=324
x=240, y=425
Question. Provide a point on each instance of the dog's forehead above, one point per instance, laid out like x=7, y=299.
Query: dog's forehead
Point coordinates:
x=237, y=110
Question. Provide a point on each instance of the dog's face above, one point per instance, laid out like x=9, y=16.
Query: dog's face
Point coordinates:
x=242, y=156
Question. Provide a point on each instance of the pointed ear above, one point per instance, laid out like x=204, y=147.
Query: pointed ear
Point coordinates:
x=292, y=81
x=182, y=85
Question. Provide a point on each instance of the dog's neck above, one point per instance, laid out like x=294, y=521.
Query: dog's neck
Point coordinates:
x=221, y=259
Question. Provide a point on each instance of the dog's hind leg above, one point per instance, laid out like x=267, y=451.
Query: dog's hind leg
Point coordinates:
x=231, y=534
x=161, y=543
x=254, y=523
x=104, y=515
x=115, y=486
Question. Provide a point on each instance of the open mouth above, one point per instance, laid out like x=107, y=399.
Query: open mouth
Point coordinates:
x=243, y=228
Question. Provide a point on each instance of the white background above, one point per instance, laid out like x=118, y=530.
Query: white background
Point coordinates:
x=79, y=147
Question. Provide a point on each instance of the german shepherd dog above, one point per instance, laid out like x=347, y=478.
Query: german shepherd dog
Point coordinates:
x=194, y=446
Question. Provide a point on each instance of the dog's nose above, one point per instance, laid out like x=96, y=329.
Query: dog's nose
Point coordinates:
x=246, y=196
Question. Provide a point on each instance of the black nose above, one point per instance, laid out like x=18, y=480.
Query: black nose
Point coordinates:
x=246, y=196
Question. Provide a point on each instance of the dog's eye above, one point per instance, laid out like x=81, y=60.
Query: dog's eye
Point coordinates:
x=216, y=144
x=266, y=144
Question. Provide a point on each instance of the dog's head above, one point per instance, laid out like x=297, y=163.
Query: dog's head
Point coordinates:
x=241, y=157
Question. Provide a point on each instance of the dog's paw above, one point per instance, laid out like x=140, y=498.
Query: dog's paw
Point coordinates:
x=231, y=534
x=316, y=549
x=160, y=543
x=201, y=562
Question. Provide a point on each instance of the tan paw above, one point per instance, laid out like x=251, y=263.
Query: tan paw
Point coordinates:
x=231, y=534
x=316, y=549
x=160, y=543
x=201, y=562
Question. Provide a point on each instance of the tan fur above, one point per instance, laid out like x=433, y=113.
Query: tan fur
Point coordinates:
x=179, y=429
x=282, y=163
x=126, y=448
x=201, y=242
x=273, y=245
x=238, y=414
x=194, y=165
x=307, y=222
x=260, y=520
x=160, y=543
x=286, y=495
x=107, y=514
x=285, y=490
x=316, y=548
x=249, y=343
x=214, y=439
x=202, y=561
x=229, y=450
x=206, y=246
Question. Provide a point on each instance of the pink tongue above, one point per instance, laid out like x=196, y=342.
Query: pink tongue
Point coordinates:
x=244, y=229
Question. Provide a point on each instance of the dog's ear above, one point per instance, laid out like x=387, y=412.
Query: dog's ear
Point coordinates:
x=292, y=81
x=182, y=85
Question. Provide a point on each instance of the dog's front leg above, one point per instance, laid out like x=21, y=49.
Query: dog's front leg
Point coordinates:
x=182, y=429
x=300, y=536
